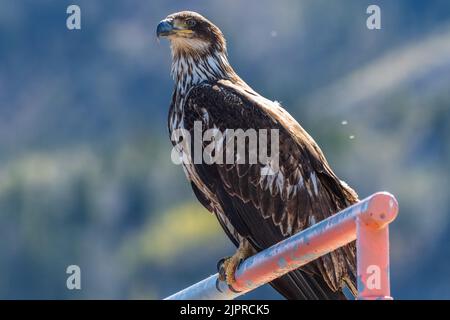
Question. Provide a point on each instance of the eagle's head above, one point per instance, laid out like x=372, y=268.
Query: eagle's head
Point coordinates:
x=198, y=50
x=191, y=34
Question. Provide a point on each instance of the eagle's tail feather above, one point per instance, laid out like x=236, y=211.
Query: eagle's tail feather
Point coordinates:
x=299, y=285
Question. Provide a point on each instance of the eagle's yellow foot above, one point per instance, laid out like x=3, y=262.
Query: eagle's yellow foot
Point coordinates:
x=227, y=266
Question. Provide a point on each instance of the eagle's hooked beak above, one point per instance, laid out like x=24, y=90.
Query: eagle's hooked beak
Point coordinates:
x=165, y=28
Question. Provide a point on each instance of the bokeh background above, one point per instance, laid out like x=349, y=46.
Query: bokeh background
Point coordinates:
x=85, y=170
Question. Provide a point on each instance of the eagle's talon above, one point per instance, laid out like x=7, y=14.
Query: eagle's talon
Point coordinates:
x=220, y=263
x=221, y=268
x=222, y=275
x=218, y=284
x=227, y=266
x=232, y=289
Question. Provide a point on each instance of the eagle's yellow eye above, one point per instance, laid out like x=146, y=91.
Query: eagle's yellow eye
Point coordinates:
x=191, y=23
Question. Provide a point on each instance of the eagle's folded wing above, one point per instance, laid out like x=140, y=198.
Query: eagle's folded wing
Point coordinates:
x=266, y=209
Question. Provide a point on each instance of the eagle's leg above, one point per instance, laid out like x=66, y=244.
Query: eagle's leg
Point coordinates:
x=227, y=266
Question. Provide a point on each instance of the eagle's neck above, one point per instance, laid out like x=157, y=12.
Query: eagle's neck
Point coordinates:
x=190, y=70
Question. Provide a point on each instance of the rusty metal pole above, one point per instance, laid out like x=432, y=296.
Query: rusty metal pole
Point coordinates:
x=366, y=220
x=372, y=245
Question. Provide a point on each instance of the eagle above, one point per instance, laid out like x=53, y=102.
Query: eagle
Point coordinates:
x=255, y=209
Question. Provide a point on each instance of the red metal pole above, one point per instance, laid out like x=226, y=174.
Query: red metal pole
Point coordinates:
x=372, y=243
x=367, y=221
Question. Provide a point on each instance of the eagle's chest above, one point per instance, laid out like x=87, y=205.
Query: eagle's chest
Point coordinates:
x=177, y=122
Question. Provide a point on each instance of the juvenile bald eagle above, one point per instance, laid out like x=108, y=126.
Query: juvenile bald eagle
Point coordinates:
x=255, y=210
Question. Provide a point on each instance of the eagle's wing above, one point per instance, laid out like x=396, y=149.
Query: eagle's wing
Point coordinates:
x=266, y=209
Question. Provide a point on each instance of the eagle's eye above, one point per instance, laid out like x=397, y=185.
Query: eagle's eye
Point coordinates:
x=191, y=23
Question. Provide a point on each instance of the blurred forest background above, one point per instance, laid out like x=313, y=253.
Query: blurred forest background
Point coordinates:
x=85, y=170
